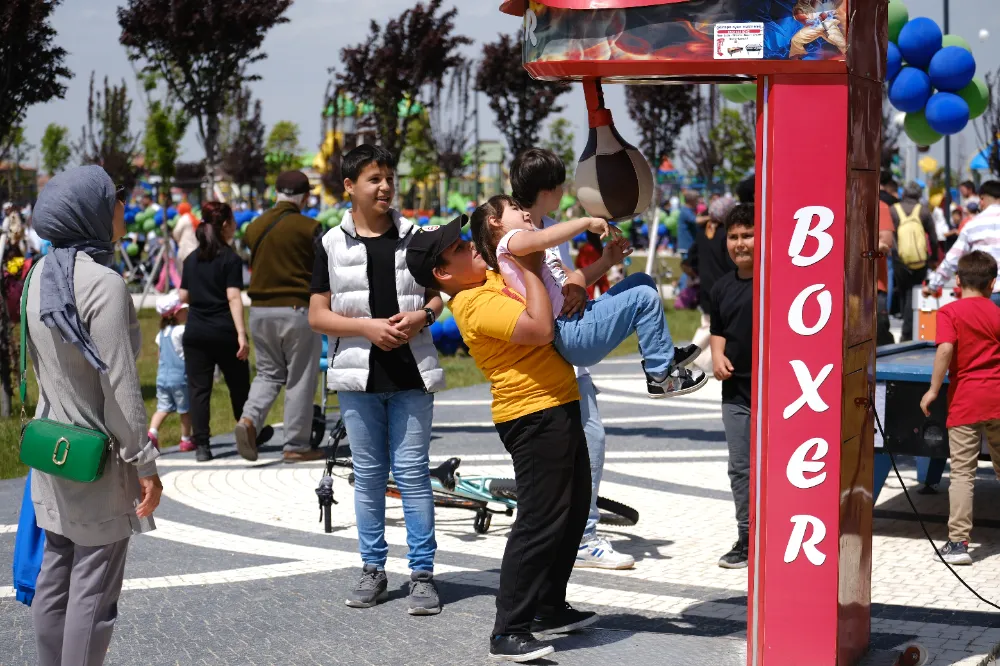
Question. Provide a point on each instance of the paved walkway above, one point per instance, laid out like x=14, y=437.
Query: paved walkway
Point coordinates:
x=239, y=570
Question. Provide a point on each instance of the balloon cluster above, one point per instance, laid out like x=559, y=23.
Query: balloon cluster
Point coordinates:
x=739, y=93
x=446, y=335
x=931, y=77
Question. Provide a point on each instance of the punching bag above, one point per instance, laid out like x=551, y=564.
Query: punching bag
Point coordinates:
x=613, y=179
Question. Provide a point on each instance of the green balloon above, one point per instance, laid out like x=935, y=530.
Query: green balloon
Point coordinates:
x=149, y=225
x=733, y=92
x=977, y=96
x=919, y=130
x=132, y=250
x=671, y=222
x=749, y=91
x=898, y=17
x=955, y=40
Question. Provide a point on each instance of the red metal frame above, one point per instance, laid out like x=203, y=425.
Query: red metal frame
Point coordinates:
x=518, y=7
x=682, y=70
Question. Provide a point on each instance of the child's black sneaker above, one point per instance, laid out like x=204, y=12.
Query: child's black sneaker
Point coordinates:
x=685, y=356
x=564, y=621
x=518, y=648
x=739, y=555
x=679, y=381
x=956, y=552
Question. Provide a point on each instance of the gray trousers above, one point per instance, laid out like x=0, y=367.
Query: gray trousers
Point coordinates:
x=76, y=601
x=288, y=354
x=736, y=420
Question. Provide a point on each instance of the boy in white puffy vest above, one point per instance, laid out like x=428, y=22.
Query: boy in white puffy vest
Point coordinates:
x=385, y=368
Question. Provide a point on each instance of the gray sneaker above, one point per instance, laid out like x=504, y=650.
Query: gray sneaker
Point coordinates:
x=423, y=594
x=371, y=589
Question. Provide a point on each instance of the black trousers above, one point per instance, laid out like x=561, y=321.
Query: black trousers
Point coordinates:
x=907, y=279
x=883, y=336
x=552, y=471
x=200, y=359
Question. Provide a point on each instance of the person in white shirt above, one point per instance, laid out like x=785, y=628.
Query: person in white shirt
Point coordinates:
x=980, y=233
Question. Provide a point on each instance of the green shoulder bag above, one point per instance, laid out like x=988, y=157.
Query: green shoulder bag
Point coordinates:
x=67, y=451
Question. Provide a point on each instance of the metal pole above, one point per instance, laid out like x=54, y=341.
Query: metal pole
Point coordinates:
x=947, y=139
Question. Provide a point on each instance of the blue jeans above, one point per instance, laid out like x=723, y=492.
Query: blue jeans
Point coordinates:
x=995, y=297
x=594, y=430
x=631, y=306
x=391, y=430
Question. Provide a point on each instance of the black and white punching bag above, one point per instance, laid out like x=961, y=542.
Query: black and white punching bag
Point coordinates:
x=613, y=179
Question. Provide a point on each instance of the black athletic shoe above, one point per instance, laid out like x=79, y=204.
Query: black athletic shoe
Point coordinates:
x=956, y=552
x=737, y=557
x=518, y=648
x=265, y=435
x=685, y=356
x=563, y=622
x=203, y=454
x=679, y=381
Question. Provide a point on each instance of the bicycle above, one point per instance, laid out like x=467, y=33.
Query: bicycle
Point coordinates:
x=453, y=490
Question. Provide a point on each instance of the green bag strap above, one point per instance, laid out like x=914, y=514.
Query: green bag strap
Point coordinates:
x=23, y=365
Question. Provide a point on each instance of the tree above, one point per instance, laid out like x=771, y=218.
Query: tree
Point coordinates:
x=449, y=126
x=32, y=68
x=891, y=132
x=660, y=112
x=736, y=145
x=520, y=103
x=15, y=148
x=700, y=151
x=202, y=49
x=243, y=152
x=106, y=139
x=988, y=124
x=400, y=68
x=282, y=148
x=166, y=125
x=56, y=151
x=561, y=142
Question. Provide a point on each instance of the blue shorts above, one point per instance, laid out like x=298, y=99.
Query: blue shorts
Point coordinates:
x=172, y=399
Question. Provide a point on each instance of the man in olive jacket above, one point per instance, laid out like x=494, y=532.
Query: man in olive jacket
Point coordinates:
x=282, y=246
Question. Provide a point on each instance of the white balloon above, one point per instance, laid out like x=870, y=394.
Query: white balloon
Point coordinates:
x=984, y=34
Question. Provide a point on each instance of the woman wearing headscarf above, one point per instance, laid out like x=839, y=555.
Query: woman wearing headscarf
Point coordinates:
x=83, y=339
x=215, y=335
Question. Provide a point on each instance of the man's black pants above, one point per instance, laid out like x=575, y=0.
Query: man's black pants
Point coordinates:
x=200, y=359
x=552, y=471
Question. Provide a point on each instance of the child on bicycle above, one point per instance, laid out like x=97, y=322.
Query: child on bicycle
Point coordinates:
x=504, y=233
x=536, y=409
x=171, y=379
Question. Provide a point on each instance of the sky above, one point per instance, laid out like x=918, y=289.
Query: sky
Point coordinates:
x=294, y=75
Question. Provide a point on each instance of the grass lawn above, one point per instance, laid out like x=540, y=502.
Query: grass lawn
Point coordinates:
x=460, y=371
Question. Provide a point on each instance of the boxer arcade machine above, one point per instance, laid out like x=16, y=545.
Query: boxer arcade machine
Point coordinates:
x=819, y=67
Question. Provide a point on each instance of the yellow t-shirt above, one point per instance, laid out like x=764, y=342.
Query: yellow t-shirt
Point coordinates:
x=523, y=379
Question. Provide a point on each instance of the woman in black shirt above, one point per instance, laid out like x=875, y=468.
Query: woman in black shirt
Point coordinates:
x=212, y=284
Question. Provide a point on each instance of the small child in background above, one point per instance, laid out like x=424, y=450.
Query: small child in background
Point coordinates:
x=732, y=360
x=171, y=380
x=586, y=335
x=968, y=340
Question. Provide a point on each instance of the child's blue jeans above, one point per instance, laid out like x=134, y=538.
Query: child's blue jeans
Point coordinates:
x=391, y=431
x=631, y=306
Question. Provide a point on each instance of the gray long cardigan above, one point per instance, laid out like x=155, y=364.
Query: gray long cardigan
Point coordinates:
x=72, y=391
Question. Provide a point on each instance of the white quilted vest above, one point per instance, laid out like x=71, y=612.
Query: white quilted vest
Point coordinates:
x=348, y=261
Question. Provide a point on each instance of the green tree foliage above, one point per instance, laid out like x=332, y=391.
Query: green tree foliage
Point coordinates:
x=560, y=141
x=202, y=49
x=282, y=148
x=32, y=67
x=107, y=139
x=736, y=144
x=14, y=149
x=243, y=151
x=56, y=151
x=660, y=112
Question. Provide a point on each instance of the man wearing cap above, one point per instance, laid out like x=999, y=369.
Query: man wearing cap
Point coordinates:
x=536, y=409
x=282, y=250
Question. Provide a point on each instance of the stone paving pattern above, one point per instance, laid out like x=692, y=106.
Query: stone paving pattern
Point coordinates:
x=239, y=570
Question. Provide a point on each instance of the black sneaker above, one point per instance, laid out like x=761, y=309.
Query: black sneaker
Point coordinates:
x=685, y=356
x=372, y=587
x=563, y=622
x=518, y=648
x=956, y=552
x=265, y=435
x=738, y=556
x=203, y=454
x=679, y=381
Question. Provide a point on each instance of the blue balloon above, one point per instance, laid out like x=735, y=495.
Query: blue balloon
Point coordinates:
x=437, y=332
x=449, y=329
x=947, y=113
x=580, y=238
x=952, y=68
x=422, y=220
x=158, y=218
x=171, y=213
x=919, y=40
x=130, y=217
x=911, y=90
x=894, y=62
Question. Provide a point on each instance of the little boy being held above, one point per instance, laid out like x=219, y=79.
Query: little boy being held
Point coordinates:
x=968, y=339
x=732, y=360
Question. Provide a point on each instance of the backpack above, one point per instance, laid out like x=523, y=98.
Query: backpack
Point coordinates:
x=911, y=241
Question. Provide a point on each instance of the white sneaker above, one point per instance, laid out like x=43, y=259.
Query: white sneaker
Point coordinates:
x=599, y=554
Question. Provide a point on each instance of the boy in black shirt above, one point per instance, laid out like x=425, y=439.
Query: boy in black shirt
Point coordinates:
x=732, y=360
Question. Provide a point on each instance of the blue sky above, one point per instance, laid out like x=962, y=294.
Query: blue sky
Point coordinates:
x=294, y=75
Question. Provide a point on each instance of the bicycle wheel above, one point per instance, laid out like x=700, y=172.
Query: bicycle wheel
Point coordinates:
x=502, y=488
x=616, y=513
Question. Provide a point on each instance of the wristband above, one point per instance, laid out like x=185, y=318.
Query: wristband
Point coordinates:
x=431, y=317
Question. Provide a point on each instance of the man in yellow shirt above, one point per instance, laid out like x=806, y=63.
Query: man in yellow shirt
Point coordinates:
x=536, y=409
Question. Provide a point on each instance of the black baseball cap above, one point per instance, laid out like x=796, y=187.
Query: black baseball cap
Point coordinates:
x=427, y=246
x=292, y=183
